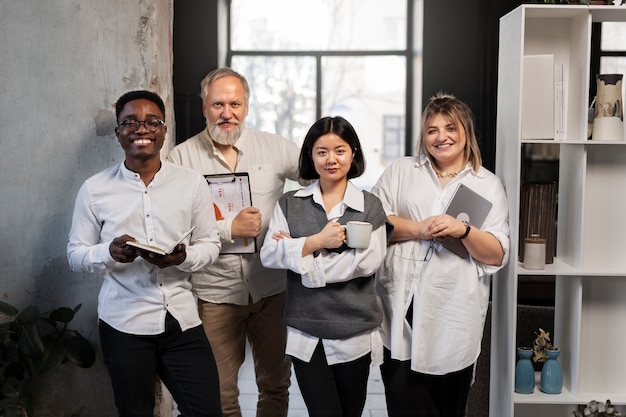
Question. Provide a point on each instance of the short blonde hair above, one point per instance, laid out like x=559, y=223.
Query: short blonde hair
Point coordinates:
x=458, y=113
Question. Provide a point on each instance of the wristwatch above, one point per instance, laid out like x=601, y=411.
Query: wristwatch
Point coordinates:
x=467, y=229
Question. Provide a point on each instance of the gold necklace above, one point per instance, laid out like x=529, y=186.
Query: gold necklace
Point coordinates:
x=446, y=175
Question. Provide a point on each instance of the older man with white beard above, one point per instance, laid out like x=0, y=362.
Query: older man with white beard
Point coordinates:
x=238, y=298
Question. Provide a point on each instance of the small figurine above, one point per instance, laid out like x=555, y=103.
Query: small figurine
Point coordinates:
x=597, y=409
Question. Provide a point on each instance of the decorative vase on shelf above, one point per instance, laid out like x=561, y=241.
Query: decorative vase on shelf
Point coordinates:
x=551, y=374
x=524, y=371
x=608, y=122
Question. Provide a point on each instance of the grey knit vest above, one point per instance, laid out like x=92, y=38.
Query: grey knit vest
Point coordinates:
x=339, y=310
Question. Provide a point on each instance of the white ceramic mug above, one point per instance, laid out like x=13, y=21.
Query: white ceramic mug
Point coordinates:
x=358, y=234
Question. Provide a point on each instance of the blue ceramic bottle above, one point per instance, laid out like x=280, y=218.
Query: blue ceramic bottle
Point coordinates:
x=551, y=375
x=524, y=371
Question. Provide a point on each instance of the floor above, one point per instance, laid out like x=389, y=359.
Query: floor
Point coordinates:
x=374, y=406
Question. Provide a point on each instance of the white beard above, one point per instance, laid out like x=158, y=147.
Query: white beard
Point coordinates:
x=225, y=138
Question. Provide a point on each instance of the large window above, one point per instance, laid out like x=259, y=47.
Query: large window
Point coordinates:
x=613, y=48
x=305, y=59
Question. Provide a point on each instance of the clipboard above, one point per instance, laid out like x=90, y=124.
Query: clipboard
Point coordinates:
x=465, y=205
x=231, y=193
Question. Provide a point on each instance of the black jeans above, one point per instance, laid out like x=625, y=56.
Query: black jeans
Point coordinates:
x=410, y=393
x=333, y=390
x=183, y=360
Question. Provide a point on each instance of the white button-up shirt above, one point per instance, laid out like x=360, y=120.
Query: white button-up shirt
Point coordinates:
x=450, y=294
x=327, y=268
x=269, y=160
x=135, y=296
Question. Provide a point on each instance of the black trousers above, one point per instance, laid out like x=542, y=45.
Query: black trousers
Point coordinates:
x=183, y=360
x=410, y=393
x=333, y=391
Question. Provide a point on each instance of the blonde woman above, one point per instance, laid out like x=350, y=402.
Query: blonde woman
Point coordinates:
x=435, y=302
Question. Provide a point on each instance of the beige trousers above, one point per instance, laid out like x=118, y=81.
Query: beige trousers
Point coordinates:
x=227, y=326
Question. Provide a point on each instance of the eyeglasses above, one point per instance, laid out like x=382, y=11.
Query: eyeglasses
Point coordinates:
x=429, y=252
x=151, y=124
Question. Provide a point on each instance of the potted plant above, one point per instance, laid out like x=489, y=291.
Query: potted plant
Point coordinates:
x=32, y=345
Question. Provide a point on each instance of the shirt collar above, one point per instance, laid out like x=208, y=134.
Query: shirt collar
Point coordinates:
x=352, y=198
x=134, y=176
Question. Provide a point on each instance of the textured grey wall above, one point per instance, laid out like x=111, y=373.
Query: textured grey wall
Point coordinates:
x=63, y=64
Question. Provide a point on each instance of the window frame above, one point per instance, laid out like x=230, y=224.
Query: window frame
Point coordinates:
x=412, y=54
x=597, y=53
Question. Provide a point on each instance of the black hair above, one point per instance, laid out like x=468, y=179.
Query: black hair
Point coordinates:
x=340, y=127
x=136, y=95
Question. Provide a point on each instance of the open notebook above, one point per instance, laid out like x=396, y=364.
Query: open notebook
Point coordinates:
x=158, y=250
x=466, y=205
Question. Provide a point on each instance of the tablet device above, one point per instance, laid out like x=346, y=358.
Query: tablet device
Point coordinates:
x=465, y=205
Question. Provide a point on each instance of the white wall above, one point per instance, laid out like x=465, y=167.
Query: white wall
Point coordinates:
x=63, y=63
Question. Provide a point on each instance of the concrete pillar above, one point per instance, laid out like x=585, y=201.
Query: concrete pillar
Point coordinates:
x=64, y=63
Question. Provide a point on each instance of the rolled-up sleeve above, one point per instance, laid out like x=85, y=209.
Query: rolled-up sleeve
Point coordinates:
x=497, y=223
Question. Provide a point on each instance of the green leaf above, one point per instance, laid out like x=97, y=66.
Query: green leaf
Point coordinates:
x=62, y=314
x=52, y=357
x=79, y=351
x=11, y=388
x=6, y=330
x=8, y=309
x=17, y=408
x=5, y=403
x=28, y=316
x=29, y=341
x=11, y=408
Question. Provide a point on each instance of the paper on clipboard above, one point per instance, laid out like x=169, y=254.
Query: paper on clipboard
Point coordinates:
x=231, y=194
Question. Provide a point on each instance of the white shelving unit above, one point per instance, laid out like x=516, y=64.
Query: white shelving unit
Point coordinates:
x=590, y=264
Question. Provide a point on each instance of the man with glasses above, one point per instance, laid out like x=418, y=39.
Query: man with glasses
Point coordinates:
x=148, y=320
